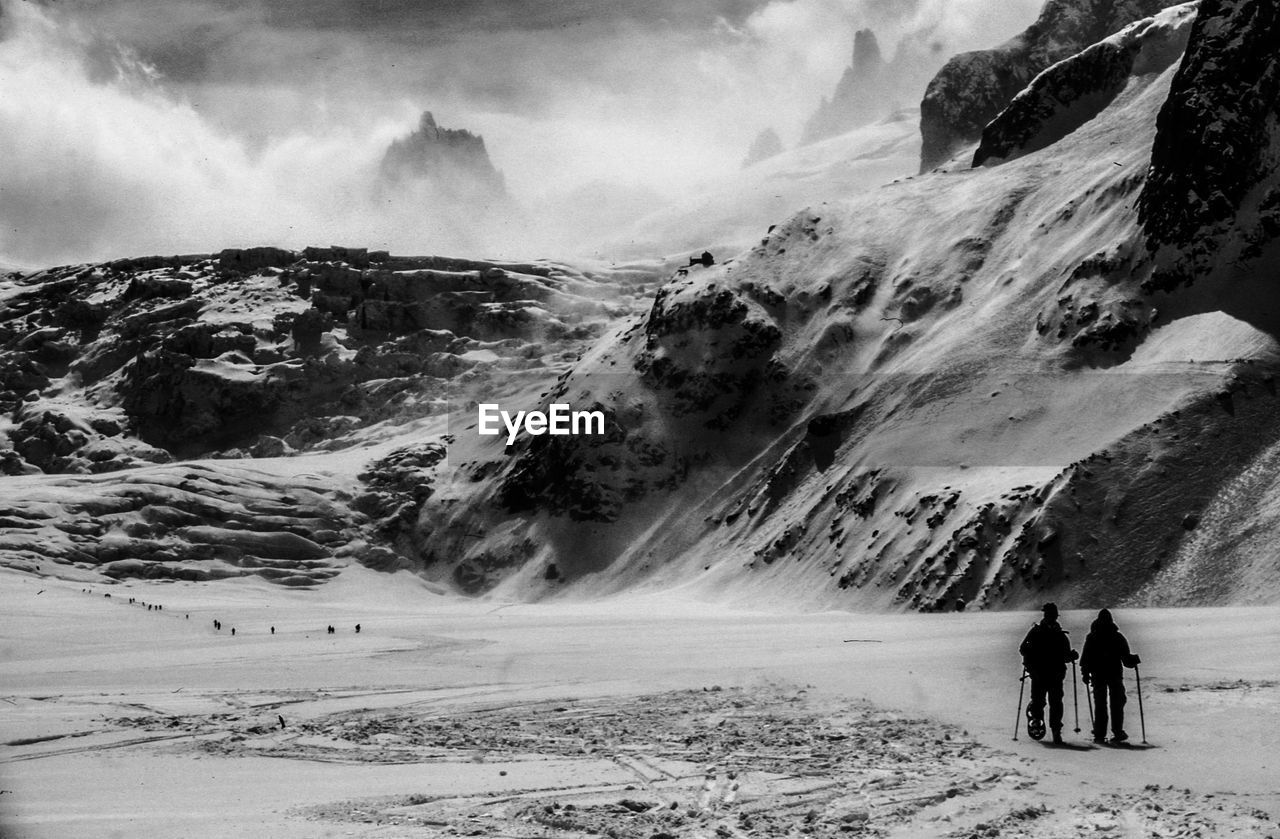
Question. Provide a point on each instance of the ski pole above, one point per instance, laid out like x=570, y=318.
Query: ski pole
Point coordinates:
x=1022, y=685
x=1142, y=717
x=1075, y=696
x=1088, y=698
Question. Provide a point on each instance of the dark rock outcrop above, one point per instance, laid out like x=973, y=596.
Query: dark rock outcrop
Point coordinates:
x=1075, y=90
x=1216, y=143
x=247, y=260
x=974, y=87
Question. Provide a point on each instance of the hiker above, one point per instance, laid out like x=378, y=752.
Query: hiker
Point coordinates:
x=1046, y=652
x=1106, y=654
x=706, y=260
x=357, y=629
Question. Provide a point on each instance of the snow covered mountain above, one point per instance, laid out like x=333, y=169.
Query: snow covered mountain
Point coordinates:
x=1049, y=375
x=979, y=384
x=974, y=87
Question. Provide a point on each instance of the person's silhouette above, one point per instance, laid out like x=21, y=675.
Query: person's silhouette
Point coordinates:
x=1106, y=654
x=1046, y=651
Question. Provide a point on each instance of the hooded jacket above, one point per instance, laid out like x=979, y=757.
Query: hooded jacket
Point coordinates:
x=1106, y=651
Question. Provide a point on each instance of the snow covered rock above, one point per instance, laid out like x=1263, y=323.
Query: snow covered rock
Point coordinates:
x=974, y=87
x=1075, y=90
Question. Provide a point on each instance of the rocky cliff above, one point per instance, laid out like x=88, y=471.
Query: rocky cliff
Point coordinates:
x=973, y=88
x=1212, y=196
x=1072, y=92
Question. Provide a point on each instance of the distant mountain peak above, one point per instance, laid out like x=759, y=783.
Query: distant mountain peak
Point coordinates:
x=866, y=52
x=871, y=87
x=451, y=158
x=767, y=144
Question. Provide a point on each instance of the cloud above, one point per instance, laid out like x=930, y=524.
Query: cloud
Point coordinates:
x=145, y=126
x=100, y=167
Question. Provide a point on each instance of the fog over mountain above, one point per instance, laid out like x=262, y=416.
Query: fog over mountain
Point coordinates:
x=153, y=126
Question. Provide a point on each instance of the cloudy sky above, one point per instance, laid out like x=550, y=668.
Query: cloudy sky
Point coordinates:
x=178, y=125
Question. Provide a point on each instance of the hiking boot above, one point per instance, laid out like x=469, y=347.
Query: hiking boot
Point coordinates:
x=1099, y=738
x=1057, y=738
x=1119, y=737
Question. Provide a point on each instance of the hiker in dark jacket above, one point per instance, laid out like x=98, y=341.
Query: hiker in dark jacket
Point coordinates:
x=1046, y=652
x=1106, y=654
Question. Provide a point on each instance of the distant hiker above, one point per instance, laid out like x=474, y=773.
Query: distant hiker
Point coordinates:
x=281, y=717
x=273, y=632
x=1106, y=654
x=233, y=630
x=357, y=629
x=706, y=260
x=1046, y=651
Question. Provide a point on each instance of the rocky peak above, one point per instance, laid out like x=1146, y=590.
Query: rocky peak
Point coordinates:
x=451, y=158
x=974, y=87
x=866, y=52
x=858, y=98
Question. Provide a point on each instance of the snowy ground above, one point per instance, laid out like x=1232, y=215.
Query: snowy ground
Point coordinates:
x=630, y=718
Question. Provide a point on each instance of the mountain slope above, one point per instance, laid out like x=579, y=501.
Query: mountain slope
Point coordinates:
x=974, y=87
x=1053, y=375
x=961, y=386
